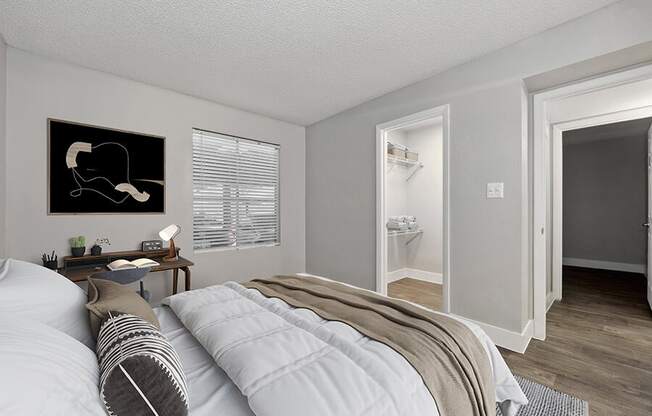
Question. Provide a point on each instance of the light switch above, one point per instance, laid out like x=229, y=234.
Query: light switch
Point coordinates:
x=495, y=190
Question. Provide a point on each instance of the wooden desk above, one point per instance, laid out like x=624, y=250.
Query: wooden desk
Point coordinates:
x=79, y=269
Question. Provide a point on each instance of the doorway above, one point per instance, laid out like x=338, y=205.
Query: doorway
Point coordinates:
x=412, y=208
x=604, y=199
x=614, y=98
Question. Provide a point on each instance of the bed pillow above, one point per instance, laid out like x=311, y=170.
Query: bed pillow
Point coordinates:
x=45, y=372
x=105, y=295
x=30, y=291
x=140, y=372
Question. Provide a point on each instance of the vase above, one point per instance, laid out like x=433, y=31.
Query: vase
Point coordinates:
x=78, y=251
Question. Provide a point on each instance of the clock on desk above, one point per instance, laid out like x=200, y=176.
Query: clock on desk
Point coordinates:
x=151, y=245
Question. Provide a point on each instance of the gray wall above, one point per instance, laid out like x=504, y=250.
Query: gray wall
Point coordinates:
x=39, y=88
x=3, y=147
x=605, y=200
x=490, y=256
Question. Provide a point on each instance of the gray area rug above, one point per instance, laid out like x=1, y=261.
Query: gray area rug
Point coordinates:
x=545, y=401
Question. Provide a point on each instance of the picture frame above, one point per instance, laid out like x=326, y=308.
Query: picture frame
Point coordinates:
x=96, y=170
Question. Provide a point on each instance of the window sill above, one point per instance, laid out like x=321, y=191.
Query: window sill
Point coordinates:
x=248, y=247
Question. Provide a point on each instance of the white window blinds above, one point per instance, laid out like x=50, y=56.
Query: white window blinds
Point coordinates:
x=235, y=191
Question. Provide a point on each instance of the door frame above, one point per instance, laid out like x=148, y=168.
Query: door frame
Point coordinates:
x=547, y=153
x=381, y=231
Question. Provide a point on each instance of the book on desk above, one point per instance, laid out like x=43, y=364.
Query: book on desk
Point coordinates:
x=123, y=264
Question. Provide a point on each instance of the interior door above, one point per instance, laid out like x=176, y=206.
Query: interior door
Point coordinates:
x=649, y=216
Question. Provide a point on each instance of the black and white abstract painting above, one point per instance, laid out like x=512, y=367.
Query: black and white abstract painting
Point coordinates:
x=97, y=170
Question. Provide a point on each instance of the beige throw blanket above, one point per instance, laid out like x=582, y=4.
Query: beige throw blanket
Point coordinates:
x=453, y=364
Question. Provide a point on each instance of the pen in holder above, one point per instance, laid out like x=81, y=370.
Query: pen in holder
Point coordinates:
x=50, y=261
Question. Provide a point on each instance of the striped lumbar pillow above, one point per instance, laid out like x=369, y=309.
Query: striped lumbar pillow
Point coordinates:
x=140, y=372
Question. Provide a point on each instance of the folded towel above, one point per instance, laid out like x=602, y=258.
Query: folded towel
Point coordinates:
x=397, y=226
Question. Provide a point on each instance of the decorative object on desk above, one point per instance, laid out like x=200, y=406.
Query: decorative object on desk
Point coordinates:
x=97, y=170
x=78, y=246
x=50, y=261
x=152, y=245
x=96, y=250
x=134, y=264
x=168, y=234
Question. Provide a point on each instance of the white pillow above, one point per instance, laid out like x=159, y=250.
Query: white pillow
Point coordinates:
x=30, y=291
x=45, y=372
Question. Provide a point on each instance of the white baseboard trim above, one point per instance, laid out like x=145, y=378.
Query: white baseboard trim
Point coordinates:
x=604, y=265
x=394, y=276
x=550, y=299
x=513, y=341
x=414, y=274
x=649, y=293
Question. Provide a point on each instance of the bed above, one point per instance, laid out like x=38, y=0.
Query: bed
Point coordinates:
x=215, y=387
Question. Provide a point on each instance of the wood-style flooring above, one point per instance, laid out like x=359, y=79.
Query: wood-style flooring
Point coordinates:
x=598, y=345
x=417, y=291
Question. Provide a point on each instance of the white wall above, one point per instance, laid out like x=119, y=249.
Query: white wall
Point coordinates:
x=425, y=199
x=39, y=88
x=3, y=149
x=605, y=200
x=490, y=255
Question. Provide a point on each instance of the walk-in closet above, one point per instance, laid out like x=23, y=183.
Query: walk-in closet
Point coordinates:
x=414, y=212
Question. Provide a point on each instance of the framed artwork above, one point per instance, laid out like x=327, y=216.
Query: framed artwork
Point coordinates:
x=98, y=170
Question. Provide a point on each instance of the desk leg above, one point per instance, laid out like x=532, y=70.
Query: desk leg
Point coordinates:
x=186, y=271
x=175, y=280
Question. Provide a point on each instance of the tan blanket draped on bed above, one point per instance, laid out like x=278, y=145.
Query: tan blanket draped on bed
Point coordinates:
x=453, y=364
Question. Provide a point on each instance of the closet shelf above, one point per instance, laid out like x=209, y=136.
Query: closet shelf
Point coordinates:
x=413, y=165
x=403, y=162
x=413, y=233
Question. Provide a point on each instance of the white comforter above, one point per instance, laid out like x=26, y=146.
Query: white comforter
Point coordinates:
x=288, y=361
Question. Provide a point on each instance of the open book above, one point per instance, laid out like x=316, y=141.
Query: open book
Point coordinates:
x=134, y=264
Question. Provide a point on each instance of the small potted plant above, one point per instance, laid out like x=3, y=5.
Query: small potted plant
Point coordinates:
x=78, y=246
x=96, y=250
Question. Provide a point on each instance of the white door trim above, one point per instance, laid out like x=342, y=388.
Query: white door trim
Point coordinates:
x=381, y=232
x=543, y=129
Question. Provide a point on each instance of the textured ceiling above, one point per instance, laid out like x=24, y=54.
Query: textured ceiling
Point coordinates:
x=624, y=129
x=295, y=60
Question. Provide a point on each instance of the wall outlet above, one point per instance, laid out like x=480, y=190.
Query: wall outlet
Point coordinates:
x=495, y=190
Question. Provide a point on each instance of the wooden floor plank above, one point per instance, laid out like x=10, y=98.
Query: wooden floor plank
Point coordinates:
x=418, y=291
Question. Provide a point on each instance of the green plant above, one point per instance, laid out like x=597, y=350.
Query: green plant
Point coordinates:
x=76, y=242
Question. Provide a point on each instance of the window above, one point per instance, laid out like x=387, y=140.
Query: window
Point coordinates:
x=235, y=191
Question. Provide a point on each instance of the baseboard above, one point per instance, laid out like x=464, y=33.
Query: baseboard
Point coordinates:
x=604, y=265
x=511, y=340
x=649, y=294
x=550, y=299
x=414, y=274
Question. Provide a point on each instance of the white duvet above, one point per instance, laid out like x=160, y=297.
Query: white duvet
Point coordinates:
x=287, y=361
